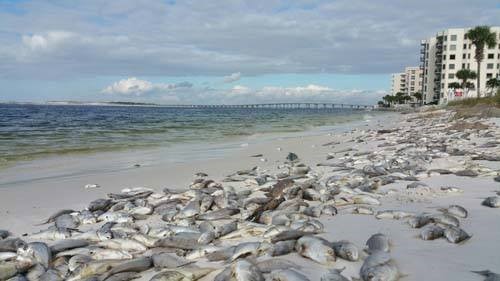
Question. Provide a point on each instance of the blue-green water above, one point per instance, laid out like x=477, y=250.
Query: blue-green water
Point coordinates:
x=33, y=131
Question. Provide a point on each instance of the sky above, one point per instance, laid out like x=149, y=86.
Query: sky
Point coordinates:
x=218, y=52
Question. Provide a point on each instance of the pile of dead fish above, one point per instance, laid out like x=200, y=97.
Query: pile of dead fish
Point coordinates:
x=243, y=227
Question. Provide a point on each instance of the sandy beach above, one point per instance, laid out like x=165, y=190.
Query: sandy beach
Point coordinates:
x=431, y=142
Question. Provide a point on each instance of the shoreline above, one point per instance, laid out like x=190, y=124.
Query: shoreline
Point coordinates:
x=78, y=164
x=415, y=258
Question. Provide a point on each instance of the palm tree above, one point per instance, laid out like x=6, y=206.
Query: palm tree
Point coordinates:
x=493, y=83
x=481, y=36
x=400, y=97
x=464, y=75
x=418, y=96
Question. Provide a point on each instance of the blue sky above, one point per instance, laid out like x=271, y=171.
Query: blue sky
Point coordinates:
x=230, y=51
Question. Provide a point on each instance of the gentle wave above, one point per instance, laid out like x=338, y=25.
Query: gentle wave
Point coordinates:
x=29, y=132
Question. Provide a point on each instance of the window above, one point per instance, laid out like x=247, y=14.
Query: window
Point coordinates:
x=464, y=56
x=451, y=75
x=444, y=66
x=470, y=45
x=468, y=66
x=489, y=66
x=444, y=47
x=463, y=65
x=491, y=56
x=412, y=89
x=489, y=75
x=465, y=46
x=444, y=57
x=442, y=85
x=451, y=66
x=468, y=56
x=498, y=65
x=453, y=47
x=412, y=83
x=442, y=76
x=445, y=37
x=453, y=37
x=465, y=36
x=452, y=57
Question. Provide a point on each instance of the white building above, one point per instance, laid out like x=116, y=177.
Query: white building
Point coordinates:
x=446, y=53
x=408, y=82
x=398, y=83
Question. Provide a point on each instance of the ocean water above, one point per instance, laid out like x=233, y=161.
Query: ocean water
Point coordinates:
x=30, y=132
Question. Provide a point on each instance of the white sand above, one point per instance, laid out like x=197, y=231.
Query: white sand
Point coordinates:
x=24, y=204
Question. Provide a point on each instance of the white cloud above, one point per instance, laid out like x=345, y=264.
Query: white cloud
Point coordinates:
x=134, y=86
x=232, y=78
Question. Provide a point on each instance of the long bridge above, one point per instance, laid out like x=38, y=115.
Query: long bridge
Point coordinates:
x=286, y=105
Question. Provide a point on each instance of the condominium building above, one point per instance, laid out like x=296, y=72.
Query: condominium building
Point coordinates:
x=408, y=82
x=441, y=56
x=398, y=83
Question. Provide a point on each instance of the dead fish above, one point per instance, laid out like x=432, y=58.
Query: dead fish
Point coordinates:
x=315, y=249
x=431, y=232
x=249, y=248
x=180, y=241
x=419, y=221
x=346, y=250
x=100, y=205
x=109, y=254
x=53, y=217
x=8, y=270
x=10, y=244
x=4, y=234
x=378, y=242
x=334, y=275
x=329, y=210
x=218, y=214
x=288, y=235
x=362, y=211
x=170, y=275
x=68, y=244
x=267, y=266
x=466, y=173
x=455, y=234
x=124, y=276
x=287, y=275
x=379, y=266
x=6, y=256
x=92, y=268
x=123, y=244
x=393, y=214
x=445, y=219
x=219, y=254
x=133, y=265
x=490, y=276
x=364, y=199
x=243, y=270
x=168, y=260
x=492, y=202
x=66, y=221
x=36, y=251
x=282, y=248
x=456, y=210
x=116, y=217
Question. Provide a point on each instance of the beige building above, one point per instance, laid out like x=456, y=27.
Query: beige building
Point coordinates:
x=398, y=83
x=408, y=82
x=446, y=53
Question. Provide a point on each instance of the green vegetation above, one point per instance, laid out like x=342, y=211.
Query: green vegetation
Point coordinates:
x=399, y=98
x=464, y=75
x=481, y=36
x=492, y=101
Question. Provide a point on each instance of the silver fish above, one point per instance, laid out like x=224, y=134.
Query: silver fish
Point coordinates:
x=378, y=242
x=379, y=266
x=243, y=270
x=346, y=250
x=288, y=275
x=431, y=232
x=455, y=234
x=492, y=202
x=315, y=249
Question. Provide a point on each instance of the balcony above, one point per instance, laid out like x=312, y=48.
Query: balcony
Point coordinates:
x=422, y=51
